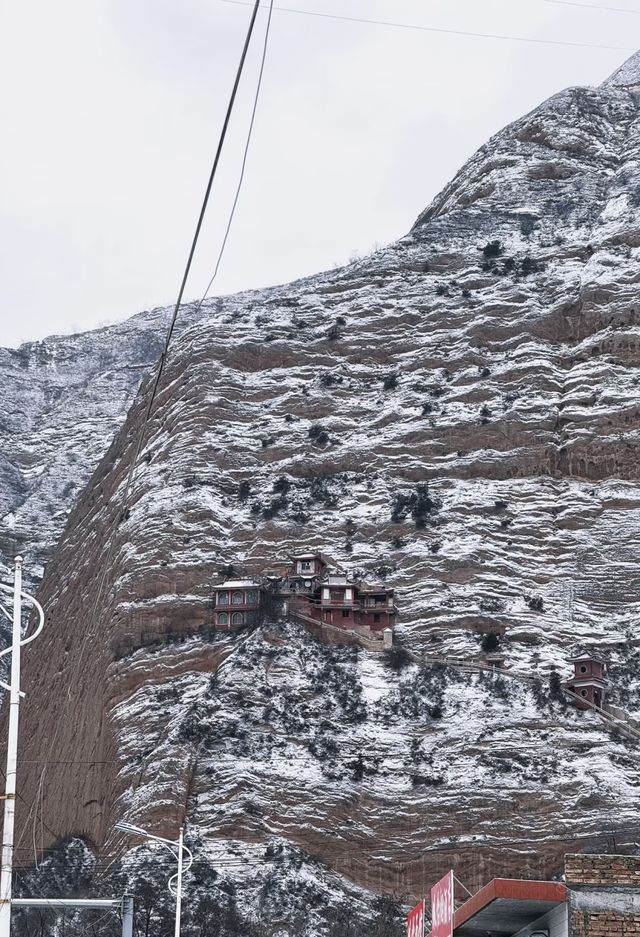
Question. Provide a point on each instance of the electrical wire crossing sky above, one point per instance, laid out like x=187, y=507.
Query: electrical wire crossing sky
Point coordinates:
x=367, y=109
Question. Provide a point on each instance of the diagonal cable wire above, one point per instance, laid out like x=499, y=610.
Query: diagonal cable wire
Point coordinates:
x=440, y=29
x=244, y=157
x=99, y=595
x=592, y=6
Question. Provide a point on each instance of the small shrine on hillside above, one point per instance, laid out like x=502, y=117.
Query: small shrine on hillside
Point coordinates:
x=588, y=682
x=235, y=601
x=305, y=571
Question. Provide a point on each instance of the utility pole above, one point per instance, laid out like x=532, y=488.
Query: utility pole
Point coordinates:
x=179, y=883
x=177, y=849
x=6, y=862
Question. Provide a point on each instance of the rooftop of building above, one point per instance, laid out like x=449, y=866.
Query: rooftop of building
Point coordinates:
x=238, y=584
x=310, y=556
x=505, y=906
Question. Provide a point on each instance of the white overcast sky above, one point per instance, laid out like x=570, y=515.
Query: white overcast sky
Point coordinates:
x=111, y=111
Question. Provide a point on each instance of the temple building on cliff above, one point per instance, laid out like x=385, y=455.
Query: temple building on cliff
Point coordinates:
x=313, y=590
x=330, y=596
x=236, y=602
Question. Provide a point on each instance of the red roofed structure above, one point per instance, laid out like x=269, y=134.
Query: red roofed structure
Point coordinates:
x=507, y=906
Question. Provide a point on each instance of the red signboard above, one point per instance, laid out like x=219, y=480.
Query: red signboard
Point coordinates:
x=415, y=921
x=442, y=907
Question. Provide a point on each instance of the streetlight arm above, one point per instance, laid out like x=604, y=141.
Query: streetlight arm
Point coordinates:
x=38, y=608
x=172, y=881
x=177, y=849
x=123, y=827
x=189, y=855
x=40, y=612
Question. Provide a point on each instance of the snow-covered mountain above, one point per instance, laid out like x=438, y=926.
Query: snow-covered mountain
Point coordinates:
x=62, y=400
x=458, y=414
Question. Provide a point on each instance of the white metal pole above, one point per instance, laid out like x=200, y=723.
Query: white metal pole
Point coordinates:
x=6, y=866
x=178, y=883
x=127, y=916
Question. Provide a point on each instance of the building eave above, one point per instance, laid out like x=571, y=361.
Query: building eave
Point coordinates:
x=506, y=905
x=586, y=681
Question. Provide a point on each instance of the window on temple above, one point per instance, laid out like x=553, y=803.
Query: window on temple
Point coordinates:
x=237, y=598
x=252, y=597
x=237, y=618
x=345, y=613
x=223, y=618
x=306, y=566
x=223, y=598
x=376, y=617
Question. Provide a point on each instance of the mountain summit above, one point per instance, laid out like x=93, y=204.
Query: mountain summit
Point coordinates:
x=627, y=76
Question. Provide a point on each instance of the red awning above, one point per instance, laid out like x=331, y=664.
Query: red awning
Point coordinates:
x=506, y=905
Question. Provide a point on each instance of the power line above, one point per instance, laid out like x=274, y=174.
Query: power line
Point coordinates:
x=244, y=156
x=205, y=202
x=440, y=29
x=159, y=371
x=591, y=6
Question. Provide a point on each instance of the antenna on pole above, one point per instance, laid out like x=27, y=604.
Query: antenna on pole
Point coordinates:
x=17, y=642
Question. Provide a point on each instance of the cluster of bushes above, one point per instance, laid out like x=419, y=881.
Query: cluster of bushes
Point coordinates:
x=534, y=768
x=334, y=677
x=427, y=780
x=517, y=268
x=419, y=504
x=397, y=658
x=320, y=490
x=318, y=434
x=490, y=642
x=535, y=602
x=328, y=379
x=296, y=497
x=504, y=690
x=419, y=696
x=624, y=678
x=361, y=767
x=492, y=250
x=444, y=289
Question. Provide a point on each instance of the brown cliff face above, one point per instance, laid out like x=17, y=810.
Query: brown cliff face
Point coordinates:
x=493, y=353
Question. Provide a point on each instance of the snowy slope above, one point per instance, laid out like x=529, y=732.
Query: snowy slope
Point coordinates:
x=62, y=400
x=472, y=397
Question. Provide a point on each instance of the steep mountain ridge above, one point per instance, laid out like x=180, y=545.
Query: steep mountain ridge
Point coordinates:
x=457, y=413
x=63, y=399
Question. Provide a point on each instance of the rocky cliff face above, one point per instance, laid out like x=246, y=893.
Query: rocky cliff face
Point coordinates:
x=457, y=413
x=62, y=401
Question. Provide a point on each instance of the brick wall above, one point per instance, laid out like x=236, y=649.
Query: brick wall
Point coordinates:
x=602, y=870
x=607, y=924
x=604, y=895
